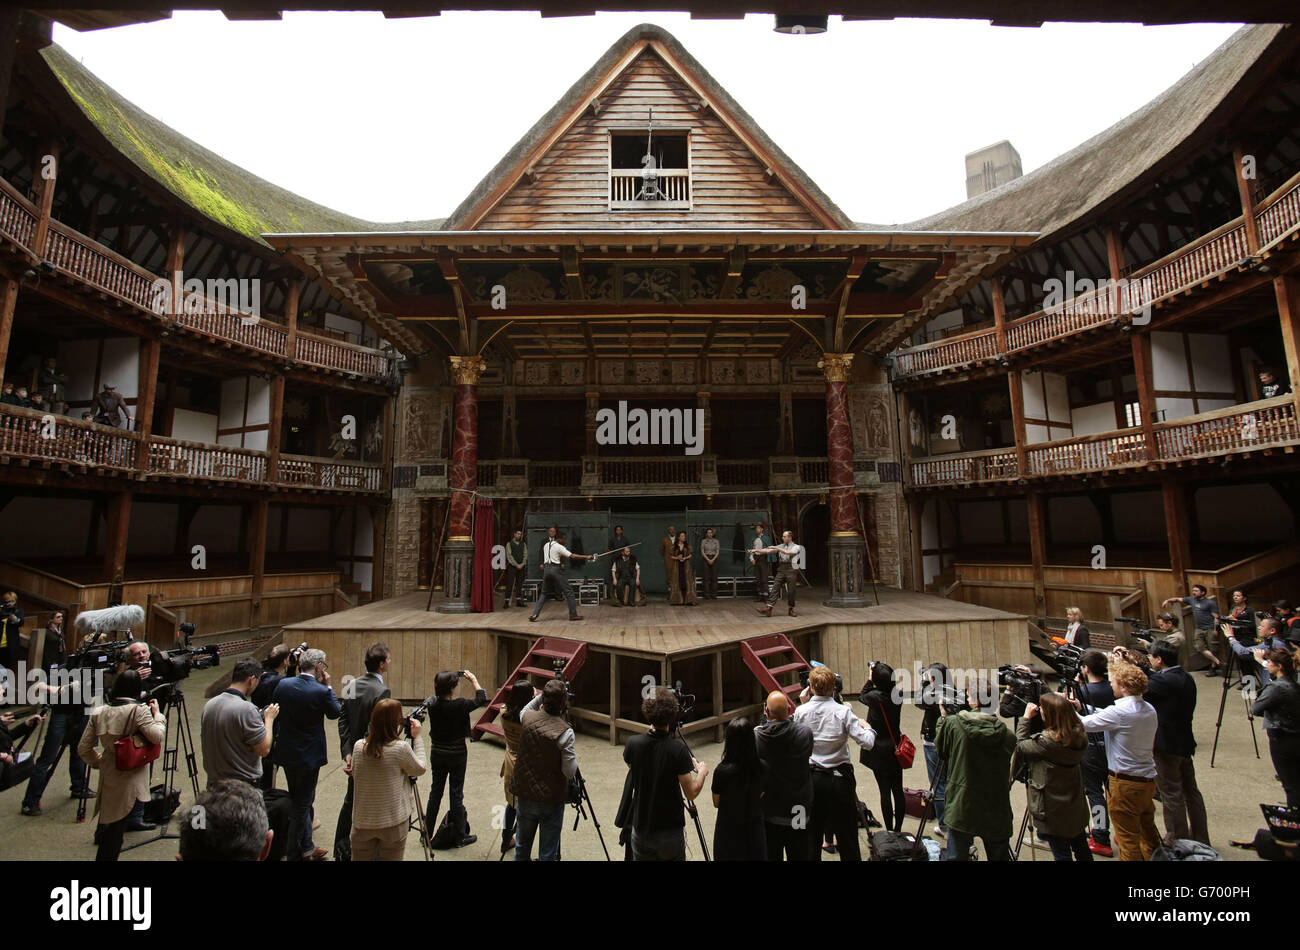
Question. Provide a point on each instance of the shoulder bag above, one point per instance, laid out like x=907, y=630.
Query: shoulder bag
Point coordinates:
x=133, y=751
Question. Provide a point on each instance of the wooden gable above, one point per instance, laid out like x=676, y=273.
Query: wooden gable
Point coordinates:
x=569, y=184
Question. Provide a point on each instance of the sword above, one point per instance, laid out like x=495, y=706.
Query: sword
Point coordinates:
x=612, y=550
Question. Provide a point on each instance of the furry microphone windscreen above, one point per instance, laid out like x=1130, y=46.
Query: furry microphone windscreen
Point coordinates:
x=109, y=620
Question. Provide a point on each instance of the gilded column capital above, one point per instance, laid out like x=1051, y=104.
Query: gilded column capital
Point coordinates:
x=466, y=370
x=835, y=366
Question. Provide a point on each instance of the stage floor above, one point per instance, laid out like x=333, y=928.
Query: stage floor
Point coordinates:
x=657, y=628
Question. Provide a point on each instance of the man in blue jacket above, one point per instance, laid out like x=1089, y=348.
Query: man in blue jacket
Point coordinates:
x=306, y=701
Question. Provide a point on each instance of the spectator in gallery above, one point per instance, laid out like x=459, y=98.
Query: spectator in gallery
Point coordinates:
x=52, y=384
x=1270, y=385
x=7, y=395
x=110, y=409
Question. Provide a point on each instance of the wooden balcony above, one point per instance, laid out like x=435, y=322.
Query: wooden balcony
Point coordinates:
x=674, y=184
x=32, y=439
x=1211, y=256
x=1266, y=425
x=705, y=474
x=85, y=261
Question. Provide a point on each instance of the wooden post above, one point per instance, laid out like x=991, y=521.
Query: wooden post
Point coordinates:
x=1038, y=546
x=1114, y=253
x=257, y=561
x=1174, y=495
x=174, y=268
x=291, y=319
x=916, y=513
x=45, y=174
x=8, y=300
x=119, y=523
x=999, y=312
x=389, y=437
x=148, y=390
x=273, y=429
x=1287, y=289
x=379, y=525
x=9, y=17
x=1247, y=200
x=1146, y=392
x=1016, y=391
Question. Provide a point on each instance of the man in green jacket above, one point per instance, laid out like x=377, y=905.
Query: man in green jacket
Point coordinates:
x=976, y=750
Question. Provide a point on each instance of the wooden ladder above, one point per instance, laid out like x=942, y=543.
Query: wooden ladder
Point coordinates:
x=538, y=661
x=755, y=652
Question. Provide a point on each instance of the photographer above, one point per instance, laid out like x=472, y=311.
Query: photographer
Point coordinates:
x=1056, y=798
x=1288, y=618
x=383, y=764
x=934, y=681
x=1167, y=630
x=357, y=703
x=11, y=622
x=124, y=716
x=660, y=771
x=1173, y=694
x=884, y=718
x=1094, y=692
x=1130, y=729
x=305, y=702
x=448, y=730
x=784, y=747
x=835, y=795
x=737, y=789
x=544, y=766
x=1279, y=704
x=976, y=748
x=1252, y=653
x=226, y=823
x=153, y=667
x=274, y=668
x=67, y=723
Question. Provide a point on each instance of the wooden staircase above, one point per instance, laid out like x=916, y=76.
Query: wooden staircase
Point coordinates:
x=756, y=652
x=539, y=661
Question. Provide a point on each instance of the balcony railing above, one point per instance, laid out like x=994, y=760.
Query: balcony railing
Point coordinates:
x=555, y=474
x=27, y=435
x=80, y=257
x=734, y=473
x=626, y=184
x=1256, y=426
x=1213, y=254
x=649, y=471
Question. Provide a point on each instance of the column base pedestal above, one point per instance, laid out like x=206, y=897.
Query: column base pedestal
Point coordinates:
x=458, y=577
x=846, y=569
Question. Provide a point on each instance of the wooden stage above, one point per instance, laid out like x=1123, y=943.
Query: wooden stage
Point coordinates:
x=630, y=647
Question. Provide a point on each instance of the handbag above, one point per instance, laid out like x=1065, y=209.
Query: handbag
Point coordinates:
x=133, y=751
x=904, y=748
x=916, y=800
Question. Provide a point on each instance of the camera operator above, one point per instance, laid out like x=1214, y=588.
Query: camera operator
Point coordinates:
x=1289, y=619
x=448, y=730
x=784, y=747
x=226, y=823
x=1130, y=729
x=1093, y=692
x=1167, y=629
x=1173, y=694
x=1053, y=756
x=119, y=792
x=236, y=738
x=660, y=771
x=545, y=764
x=934, y=681
x=835, y=794
x=305, y=702
x=383, y=765
x=153, y=667
x=66, y=724
x=977, y=748
x=1279, y=704
x=358, y=702
x=11, y=621
x=1252, y=655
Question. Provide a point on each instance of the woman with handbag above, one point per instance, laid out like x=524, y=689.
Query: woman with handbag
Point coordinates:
x=1054, y=780
x=130, y=735
x=383, y=765
x=890, y=755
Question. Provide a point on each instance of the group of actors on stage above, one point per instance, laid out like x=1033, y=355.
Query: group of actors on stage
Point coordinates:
x=773, y=569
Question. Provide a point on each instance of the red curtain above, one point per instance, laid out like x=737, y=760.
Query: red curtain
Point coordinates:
x=482, y=597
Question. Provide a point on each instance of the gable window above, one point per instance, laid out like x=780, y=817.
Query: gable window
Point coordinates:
x=654, y=180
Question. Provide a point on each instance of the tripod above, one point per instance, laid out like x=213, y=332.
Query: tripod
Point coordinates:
x=70, y=738
x=1223, y=700
x=691, y=810
x=580, y=812
x=418, y=823
x=173, y=743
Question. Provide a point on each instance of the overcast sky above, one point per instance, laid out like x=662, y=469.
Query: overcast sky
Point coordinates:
x=394, y=120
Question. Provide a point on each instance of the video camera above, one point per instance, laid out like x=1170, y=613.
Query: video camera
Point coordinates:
x=99, y=656
x=1024, y=687
x=1243, y=630
x=187, y=659
x=839, y=681
x=1140, y=630
x=685, y=701
x=1067, y=660
x=420, y=713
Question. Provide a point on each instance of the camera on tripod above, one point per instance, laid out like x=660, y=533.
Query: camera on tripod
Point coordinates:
x=1067, y=660
x=1025, y=687
x=99, y=656
x=1140, y=630
x=187, y=659
x=685, y=700
x=558, y=664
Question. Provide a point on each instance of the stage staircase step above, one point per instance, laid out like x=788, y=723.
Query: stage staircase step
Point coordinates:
x=534, y=664
x=755, y=651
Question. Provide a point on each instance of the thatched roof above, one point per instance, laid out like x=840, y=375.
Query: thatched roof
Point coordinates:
x=211, y=185
x=1066, y=189
x=580, y=92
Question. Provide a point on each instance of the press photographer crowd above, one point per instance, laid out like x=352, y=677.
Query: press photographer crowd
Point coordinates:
x=1090, y=741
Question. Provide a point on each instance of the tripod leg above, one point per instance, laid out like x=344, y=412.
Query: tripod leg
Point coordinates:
x=1223, y=699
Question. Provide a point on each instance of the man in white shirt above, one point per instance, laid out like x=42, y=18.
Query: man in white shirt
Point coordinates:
x=787, y=550
x=835, y=795
x=1130, y=729
x=553, y=575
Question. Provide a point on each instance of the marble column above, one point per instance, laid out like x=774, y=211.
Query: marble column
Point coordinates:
x=847, y=548
x=458, y=550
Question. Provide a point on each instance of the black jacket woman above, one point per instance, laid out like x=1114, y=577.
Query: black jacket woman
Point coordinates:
x=1279, y=704
x=1055, y=782
x=883, y=714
